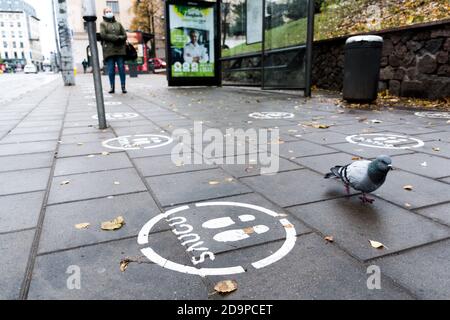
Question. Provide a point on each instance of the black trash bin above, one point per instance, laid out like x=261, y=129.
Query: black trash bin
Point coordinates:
x=133, y=69
x=362, y=68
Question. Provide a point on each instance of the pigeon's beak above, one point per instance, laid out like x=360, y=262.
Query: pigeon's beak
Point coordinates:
x=390, y=167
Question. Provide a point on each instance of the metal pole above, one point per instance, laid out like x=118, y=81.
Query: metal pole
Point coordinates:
x=92, y=33
x=309, y=48
x=58, y=53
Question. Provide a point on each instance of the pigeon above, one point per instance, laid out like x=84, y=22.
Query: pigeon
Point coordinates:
x=363, y=175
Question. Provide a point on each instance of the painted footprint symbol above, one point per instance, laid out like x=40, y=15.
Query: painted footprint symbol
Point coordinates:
x=234, y=234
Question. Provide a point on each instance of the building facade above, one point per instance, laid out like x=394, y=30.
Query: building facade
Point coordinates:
x=19, y=34
x=123, y=12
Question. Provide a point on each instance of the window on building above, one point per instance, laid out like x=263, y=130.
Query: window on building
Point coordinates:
x=6, y=55
x=2, y=24
x=13, y=35
x=23, y=55
x=19, y=24
x=3, y=34
x=20, y=34
x=15, y=55
x=11, y=24
x=14, y=44
x=114, y=5
x=21, y=44
x=5, y=44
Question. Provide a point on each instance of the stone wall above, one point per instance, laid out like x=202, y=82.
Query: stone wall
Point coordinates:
x=415, y=61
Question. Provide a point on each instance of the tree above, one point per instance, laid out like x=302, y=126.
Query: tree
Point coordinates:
x=146, y=18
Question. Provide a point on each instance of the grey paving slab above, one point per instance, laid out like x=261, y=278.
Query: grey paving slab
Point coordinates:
x=101, y=277
x=30, y=137
x=356, y=128
x=91, y=163
x=438, y=136
x=424, y=271
x=446, y=180
x=324, y=138
x=29, y=124
x=87, y=148
x=86, y=137
x=425, y=191
x=26, y=161
x=14, y=250
x=42, y=129
x=159, y=151
x=83, y=130
x=412, y=129
x=325, y=162
x=368, y=152
x=153, y=166
x=312, y=270
x=124, y=131
x=301, y=149
x=437, y=148
x=440, y=213
x=20, y=211
x=352, y=224
x=59, y=230
x=94, y=185
x=27, y=147
x=423, y=164
x=254, y=166
x=194, y=186
x=296, y=187
x=24, y=181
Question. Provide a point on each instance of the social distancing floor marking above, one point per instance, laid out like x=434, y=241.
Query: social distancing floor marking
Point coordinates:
x=193, y=243
x=137, y=142
x=271, y=115
x=385, y=141
x=118, y=116
x=433, y=115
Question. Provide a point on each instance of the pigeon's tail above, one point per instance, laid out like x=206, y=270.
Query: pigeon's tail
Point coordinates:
x=334, y=173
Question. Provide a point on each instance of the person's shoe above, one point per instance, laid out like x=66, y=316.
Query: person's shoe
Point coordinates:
x=124, y=90
x=112, y=90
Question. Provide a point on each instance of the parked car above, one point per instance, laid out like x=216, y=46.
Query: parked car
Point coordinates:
x=157, y=63
x=30, y=68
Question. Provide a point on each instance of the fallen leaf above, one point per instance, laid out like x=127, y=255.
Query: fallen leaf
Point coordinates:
x=321, y=126
x=376, y=121
x=84, y=225
x=356, y=158
x=436, y=149
x=376, y=244
x=212, y=183
x=65, y=182
x=124, y=264
x=105, y=153
x=249, y=230
x=408, y=188
x=229, y=179
x=226, y=286
x=114, y=224
x=408, y=205
x=329, y=239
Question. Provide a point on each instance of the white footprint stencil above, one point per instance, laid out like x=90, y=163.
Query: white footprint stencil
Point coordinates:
x=235, y=234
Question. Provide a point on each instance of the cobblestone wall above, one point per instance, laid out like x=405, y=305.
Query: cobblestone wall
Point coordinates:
x=415, y=62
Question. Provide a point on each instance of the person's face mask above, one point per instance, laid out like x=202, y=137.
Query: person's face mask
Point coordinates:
x=109, y=15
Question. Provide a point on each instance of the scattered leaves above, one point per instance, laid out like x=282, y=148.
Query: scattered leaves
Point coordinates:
x=226, y=286
x=376, y=244
x=114, y=224
x=84, y=225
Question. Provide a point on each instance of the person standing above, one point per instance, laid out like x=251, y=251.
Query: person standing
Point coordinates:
x=85, y=64
x=113, y=37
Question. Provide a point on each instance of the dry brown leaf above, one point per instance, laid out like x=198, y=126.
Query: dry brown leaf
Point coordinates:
x=321, y=126
x=114, y=224
x=329, y=239
x=226, y=286
x=356, y=158
x=376, y=244
x=83, y=225
x=249, y=230
x=124, y=264
x=408, y=188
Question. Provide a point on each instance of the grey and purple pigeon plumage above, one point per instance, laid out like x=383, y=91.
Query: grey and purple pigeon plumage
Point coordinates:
x=363, y=175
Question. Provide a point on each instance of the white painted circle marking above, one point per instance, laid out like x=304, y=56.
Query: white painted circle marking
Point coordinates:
x=137, y=142
x=165, y=263
x=118, y=116
x=107, y=103
x=433, y=115
x=271, y=115
x=385, y=141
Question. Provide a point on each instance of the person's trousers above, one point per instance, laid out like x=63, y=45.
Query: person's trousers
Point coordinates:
x=111, y=63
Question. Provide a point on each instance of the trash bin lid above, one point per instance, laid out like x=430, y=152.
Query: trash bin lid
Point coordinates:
x=364, y=38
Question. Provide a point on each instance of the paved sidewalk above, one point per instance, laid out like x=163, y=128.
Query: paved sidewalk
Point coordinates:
x=57, y=171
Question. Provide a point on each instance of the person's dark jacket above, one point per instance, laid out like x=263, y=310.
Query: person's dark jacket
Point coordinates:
x=114, y=37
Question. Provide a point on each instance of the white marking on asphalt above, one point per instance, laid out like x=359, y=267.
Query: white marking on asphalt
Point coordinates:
x=385, y=141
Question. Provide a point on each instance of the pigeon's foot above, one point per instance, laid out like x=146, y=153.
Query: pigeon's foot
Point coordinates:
x=365, y=199
x=347, y=189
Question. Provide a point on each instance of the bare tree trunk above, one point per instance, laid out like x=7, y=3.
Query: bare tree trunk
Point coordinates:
x=65, y=43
